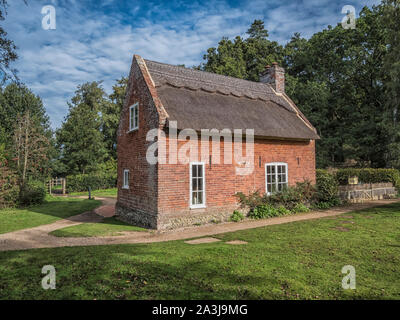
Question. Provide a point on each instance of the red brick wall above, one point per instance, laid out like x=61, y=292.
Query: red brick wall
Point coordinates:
x=132, y=146
x=222, y=182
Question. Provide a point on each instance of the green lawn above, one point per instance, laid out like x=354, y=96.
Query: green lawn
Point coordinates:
x=108, y=227
x=299, y=260
x=53, y=209
x=111, y=193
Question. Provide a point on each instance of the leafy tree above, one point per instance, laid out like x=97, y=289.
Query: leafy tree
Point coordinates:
x=345, y=81
x=23, y=118
x=7, y=48
x=31, y=148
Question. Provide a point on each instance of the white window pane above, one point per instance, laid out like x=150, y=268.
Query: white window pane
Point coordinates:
x=200, y=184
x=200, y=198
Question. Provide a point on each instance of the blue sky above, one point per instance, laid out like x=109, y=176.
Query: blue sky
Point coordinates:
x=95, y=40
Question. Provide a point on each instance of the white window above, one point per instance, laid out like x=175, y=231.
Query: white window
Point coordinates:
x=134, y=117
x=197, y=185
x=276, y=176
x=125, y=182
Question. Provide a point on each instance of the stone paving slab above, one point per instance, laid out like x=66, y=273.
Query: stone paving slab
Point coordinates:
x=202, y=240
x=236, y=242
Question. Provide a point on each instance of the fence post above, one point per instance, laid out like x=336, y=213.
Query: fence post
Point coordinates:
x=50, y=186
x=63, y=185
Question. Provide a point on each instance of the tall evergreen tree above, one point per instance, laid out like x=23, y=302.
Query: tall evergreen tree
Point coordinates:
x=80, y=138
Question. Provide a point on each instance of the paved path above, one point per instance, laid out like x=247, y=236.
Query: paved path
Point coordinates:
x=38, y=237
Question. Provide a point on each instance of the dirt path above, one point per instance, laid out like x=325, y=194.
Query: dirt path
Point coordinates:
x=38, y=237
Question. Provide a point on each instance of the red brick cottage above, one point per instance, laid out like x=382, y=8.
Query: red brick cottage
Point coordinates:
x=170, y=194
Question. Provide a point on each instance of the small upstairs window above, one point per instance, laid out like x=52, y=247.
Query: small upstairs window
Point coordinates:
x=134, y=117
x=125, y=182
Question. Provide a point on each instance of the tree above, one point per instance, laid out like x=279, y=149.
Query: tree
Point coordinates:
x=390, y=19
x=346, y=81
x=24, y=132
x=31, y=148
x=80, y=139
x=111, y=113
x=7, y=49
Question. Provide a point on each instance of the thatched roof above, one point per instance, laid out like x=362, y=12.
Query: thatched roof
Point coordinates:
x=203, y=100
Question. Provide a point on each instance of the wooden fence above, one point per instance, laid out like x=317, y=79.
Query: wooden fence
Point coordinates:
x=56, y=185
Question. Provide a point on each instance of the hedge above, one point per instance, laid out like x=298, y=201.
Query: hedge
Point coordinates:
x=327, y=187
x=369, y=175
x=81, y=182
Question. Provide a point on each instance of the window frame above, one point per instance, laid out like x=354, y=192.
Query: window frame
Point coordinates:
x=134, y=126
x=275, y=164
x=202, y=205
x=125, y=184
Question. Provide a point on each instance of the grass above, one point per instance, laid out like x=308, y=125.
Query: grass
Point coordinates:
x=299, y=260
x=53, y=209
x=110, y=193
x=108, y=227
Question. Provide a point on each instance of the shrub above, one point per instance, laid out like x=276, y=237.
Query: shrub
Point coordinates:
x=263, y=211
x=327, y=188
x=9, y=189
x=252, y=200
x=237, y=216
x=300, y=207
x=303, y=192
x=33, y=192
x=369, y=175
x=282, y=211
x=81, y=182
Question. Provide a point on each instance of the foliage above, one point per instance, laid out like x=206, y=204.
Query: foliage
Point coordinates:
x=7, y=49
x=32, y=193
x=111, y=113
x=237, y=216
x=268, y=211
x=9, y=189
x=263, y=211
x=346, y=81
x=302, y=192
x=369, y=175
x=31, y=148
x=252, y=200
x=25, y=133
x=299, y=208
x=327, y=188
x=96, y=181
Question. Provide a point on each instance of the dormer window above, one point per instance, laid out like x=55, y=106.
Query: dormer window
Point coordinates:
x=134, y=117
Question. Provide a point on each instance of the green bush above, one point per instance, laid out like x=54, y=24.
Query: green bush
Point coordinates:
x=300, y=207
x=237, y=216
x=263, y=211
x=327, y=188
x=251, y=201
x=282, y=211
x=9, y=189
x=303, y=192
x=33, y=192
x=369, y=175
x=81, y=182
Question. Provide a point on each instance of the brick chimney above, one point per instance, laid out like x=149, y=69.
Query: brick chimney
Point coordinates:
x=275, y=76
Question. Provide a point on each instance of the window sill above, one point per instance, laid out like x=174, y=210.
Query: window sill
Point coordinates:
x=125, y=188
x=132, y=130
x=198, y=206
